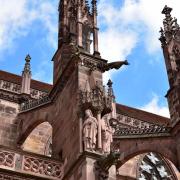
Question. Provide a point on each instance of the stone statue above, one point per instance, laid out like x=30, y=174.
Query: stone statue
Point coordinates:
x=107, y=134
x=89, y=131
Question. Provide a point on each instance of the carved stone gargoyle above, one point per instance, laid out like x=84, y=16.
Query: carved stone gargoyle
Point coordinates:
x=114, y=65
x=103, y=165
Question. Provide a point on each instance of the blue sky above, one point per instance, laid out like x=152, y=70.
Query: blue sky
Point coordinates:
x=128, y=30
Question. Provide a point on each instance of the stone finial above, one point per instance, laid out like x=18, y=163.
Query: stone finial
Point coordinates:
x=110, y=90
x=27, y=67
x=171, y=26
x=167, y=10
x=28, y=58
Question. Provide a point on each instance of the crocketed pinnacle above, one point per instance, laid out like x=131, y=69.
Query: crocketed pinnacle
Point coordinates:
x=171, y=27
x=94, y=6
x=27, y=67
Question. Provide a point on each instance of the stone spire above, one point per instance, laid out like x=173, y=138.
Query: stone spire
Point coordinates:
x=170, y=41
x=171, y=27
x=111, y=94
x=26, y=76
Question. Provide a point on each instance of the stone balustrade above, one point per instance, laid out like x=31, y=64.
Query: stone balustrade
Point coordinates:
x=34, y=103
x=16, y=88
x=31, y=164
x=146, y=131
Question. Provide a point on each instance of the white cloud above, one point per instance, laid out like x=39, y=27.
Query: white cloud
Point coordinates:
x=154, y=107
x=147, y=13
x=137, y=20
x=124, y=26
x=17, y=17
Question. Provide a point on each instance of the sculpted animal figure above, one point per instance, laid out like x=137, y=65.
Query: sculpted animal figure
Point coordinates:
x=114, y=65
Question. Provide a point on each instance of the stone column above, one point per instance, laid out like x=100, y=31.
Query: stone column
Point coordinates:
x=99, y=130
x=79, y=38
x=95, y=29
x=79, y=26
x=95, y=40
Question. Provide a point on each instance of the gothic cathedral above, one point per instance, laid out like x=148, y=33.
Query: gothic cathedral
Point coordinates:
x=75, y=129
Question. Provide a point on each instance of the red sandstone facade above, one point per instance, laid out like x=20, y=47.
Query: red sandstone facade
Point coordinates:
x=74, y=129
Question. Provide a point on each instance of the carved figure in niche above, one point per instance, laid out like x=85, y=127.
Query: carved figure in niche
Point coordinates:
x=107, y=134
x=89, y=131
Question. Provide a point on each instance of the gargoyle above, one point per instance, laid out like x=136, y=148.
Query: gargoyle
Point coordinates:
x=114, y=65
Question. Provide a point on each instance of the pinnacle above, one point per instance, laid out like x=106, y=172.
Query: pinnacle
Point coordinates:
x=28, y=58
x=109, y=83
x=166, y=10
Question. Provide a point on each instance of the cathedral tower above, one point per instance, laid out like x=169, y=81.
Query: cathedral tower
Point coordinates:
x=77, y=72
x=78, y=90
x=77, y=27
x=170, y=41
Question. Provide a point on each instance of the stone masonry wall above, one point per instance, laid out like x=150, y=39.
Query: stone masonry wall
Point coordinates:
x=8, y=126
x=39, y=140
x=66, y=142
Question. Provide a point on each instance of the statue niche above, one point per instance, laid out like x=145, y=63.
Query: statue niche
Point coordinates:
x=90, y=127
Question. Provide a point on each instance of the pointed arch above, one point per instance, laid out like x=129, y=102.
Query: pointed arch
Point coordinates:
x=39, y=140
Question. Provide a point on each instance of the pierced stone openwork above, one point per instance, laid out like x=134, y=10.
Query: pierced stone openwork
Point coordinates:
x=153, y=166
x=43, y=167
x=7, y=159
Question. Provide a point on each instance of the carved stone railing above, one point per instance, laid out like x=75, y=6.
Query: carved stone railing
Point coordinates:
x=133, y=122
x=42, y=167
x=34, y=103
x=16, y=88
x=9, y=86
x=31, y=164
x=7, y=159
x=145, y=131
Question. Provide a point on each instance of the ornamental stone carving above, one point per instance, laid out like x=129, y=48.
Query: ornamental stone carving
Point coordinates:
x=89, y=131
x=42, y=167
x=7, y=159
x=107, y=134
